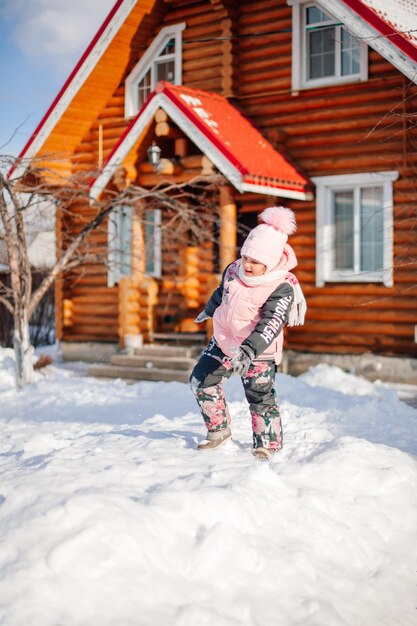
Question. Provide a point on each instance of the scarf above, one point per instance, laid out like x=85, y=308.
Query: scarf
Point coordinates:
x=298, y=307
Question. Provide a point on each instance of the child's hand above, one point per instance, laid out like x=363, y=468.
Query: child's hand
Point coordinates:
x=241, y=361
x=202, y=317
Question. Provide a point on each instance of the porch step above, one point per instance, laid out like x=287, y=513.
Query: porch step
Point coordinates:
x=138, y=373
x=163, y=362
x=157, y=351
x=181, y=339
x=151, y=360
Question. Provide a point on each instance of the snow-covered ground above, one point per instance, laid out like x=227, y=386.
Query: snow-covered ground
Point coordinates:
x=110, y=517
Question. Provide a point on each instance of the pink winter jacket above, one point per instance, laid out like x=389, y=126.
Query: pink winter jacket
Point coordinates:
x=255, y=315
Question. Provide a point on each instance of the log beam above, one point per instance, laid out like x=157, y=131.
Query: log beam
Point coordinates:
x=164, y=129
x=227, y=227
x=138, y=243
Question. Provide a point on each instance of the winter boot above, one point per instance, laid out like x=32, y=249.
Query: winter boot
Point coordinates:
x=264, y=453
x=215, y=439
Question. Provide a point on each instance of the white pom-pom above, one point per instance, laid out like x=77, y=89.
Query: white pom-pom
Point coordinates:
x=280, y=218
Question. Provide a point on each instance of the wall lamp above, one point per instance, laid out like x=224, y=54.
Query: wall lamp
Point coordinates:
x=154, y=155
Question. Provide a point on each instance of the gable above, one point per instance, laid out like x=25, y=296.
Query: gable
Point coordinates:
x=222, y=133
x=87, y=90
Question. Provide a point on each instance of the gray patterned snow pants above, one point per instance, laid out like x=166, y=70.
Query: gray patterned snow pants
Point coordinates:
x=206, y=383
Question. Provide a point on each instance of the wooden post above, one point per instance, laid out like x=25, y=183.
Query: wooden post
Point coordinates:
x=160, y=116
x=124, y=285
x=138, y=242
x=164, y=129
x=181, y=147
x=227, y=227
x=68, y=312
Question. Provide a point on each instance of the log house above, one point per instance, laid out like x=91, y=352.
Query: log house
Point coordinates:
x=326, y=89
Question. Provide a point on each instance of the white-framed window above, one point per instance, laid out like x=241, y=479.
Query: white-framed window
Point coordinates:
x=161, y=61
x=324, y=52
x=153, y=251
x=119, y=244
x=354, y=231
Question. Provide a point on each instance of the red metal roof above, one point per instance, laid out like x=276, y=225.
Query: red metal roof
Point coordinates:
x=236, y=137
x=225, y=135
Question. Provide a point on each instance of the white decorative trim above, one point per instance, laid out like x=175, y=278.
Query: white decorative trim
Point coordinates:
x=77, y=82
x=299, y=53
x=159, y=101
x=373, y=38
x=145, y=63
x=275, y=191
x=204, y=144
x=324, y=243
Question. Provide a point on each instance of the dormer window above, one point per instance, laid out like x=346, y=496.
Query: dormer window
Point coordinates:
x=324, y=52
x=161, y=61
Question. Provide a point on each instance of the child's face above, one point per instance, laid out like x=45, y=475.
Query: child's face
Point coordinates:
x=251, y=267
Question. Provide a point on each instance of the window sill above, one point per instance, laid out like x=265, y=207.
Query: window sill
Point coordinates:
x=385, y=281
x=328, y=83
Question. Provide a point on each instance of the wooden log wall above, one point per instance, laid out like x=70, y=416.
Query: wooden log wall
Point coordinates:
x=199, y=71
x=86, y=308
x=209, y=55
x=137, y=300
x=186, y=271
x=105, y=131
x=362, y=127
x=335, y=130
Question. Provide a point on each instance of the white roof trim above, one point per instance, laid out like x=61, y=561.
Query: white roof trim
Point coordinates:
x=276, y=191
x=215, y=156
x=372, y=37
x=160, y=101
x=118, y=156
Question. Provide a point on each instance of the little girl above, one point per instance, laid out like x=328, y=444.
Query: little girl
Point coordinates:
x=257, y=296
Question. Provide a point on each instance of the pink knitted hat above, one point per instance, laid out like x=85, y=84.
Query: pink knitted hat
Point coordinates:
x=265, y=243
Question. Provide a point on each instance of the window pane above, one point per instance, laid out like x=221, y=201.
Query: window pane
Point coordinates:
x=372, y=235
x=321, y=45
x=169, y=48
x=165, y=71
x=153, y=242
x=144, y=88
x=350, y=54
x=343, y=228
x=120, y=243
x=315, y=16
x=149, y=242
x=125, y=223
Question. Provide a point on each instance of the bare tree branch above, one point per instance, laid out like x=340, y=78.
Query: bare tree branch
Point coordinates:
x=7, y=304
